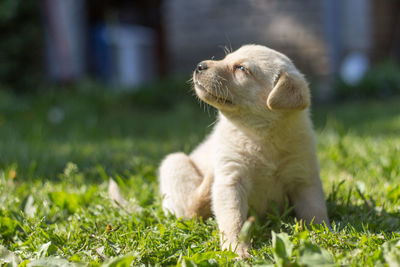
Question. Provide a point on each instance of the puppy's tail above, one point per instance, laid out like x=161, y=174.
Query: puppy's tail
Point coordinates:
x=116, y=196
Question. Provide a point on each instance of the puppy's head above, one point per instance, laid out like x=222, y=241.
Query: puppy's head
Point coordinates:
x=253, y=79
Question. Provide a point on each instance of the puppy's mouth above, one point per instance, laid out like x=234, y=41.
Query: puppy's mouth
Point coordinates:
x=210, y=96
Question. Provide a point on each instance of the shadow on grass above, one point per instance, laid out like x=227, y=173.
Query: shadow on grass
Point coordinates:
x=366, y=216
x=40, y=133
x=363, y=118
x=91, y=126
x=364, y=219
x=346, y=214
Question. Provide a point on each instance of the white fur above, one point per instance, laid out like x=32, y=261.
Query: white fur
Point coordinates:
x=261, y=150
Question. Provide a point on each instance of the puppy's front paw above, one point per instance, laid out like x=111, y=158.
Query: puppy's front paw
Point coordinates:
x=240, y=249
x=242, y=252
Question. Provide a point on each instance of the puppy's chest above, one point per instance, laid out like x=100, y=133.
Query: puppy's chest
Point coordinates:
x=265, y=184
x=262, y=161
x=258, y=166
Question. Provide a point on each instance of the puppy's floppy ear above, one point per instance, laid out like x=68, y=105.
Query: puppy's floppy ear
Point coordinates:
x=289, y=93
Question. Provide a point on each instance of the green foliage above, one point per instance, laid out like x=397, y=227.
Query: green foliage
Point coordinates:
x=307, y=253
x=281, y=249
x=381, y=81
x=20, y=46
x=161, y=94
x=54, y=208
x=8, y=227
x=209, y=258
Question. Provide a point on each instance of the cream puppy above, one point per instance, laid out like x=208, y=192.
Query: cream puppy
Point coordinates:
x=261, y=150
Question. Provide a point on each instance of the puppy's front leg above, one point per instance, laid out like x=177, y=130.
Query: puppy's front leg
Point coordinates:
x=309, y=203
x=229, y=200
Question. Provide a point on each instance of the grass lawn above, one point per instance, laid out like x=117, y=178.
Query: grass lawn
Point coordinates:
x=59, y=147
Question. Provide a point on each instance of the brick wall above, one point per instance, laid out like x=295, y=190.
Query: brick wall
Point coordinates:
x=197, y=30
x=386, y=30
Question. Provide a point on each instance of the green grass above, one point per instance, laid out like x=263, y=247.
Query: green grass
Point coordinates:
x=59, y=147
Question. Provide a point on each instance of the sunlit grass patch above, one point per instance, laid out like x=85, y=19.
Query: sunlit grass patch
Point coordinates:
x=58, y=150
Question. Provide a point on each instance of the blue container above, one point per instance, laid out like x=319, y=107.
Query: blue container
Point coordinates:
x=125, y=54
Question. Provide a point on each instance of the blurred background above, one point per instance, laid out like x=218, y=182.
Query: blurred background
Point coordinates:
x=347, y=49
x=92, y=89
x=105, y=84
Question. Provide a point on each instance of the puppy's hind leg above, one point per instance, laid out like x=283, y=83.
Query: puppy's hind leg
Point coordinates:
x=185, y=190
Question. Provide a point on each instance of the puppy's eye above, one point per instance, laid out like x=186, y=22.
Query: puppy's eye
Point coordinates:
x=240, y=67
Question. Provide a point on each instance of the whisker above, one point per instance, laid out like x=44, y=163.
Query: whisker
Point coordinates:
x=223, y=89
x=230, y=95
x=222, y=92
x=227, y=49
x=214, y=122
x=190, y=81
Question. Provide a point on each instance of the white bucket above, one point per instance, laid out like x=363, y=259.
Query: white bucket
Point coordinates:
x=133, y=54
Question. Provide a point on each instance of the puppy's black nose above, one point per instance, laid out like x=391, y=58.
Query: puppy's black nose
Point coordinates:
x=201, y=66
